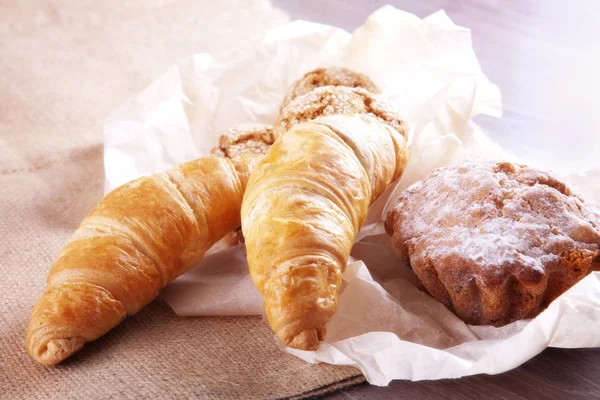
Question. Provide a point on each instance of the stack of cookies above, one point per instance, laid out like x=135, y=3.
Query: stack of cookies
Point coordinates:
x=324, y=91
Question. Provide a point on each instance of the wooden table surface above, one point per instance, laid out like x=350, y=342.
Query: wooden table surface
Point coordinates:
x=545, y=57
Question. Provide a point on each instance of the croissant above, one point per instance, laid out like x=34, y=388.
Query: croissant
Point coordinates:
x=304, y=205
x=140, y=237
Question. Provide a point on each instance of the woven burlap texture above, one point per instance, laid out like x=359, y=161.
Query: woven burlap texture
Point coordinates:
x=64, y=67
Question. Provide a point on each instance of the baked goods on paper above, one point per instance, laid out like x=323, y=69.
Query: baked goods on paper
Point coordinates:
x=384, y=324
x=495, y=242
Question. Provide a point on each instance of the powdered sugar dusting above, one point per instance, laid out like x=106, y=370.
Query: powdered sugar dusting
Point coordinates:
x=495, y=242
x=496, y=215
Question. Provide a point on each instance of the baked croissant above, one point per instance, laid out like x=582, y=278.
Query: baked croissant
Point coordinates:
x=140, y=237
x=304, y=205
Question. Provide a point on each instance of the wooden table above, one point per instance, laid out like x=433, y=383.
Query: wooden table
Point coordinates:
x=545, y=57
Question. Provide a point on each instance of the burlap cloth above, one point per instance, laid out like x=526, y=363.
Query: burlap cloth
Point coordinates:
x=63, y=67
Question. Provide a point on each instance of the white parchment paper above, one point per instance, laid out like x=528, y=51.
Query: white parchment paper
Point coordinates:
x=384, y=325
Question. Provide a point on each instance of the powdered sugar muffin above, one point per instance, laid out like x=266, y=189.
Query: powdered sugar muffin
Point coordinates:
x=329, y=100
x=495, y=242
x=251, y=138
x=332, y=76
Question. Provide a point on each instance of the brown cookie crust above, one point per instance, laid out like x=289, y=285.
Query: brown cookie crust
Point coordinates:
x=495, y=242
x=251, y=138
x=329, y=100
x=332, y=76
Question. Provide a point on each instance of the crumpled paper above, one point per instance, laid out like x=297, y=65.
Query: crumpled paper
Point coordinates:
x=384, y=325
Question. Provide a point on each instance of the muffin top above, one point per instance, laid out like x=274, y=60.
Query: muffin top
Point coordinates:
x=495, y=242
x=496, y=215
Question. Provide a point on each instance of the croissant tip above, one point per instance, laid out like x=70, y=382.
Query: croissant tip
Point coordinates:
x=308, y=339
x=57, y=350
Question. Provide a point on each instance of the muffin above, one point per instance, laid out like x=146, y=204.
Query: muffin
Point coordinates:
x=332, y=76
x=329, y=100
x=243, y=139
x=495, y=242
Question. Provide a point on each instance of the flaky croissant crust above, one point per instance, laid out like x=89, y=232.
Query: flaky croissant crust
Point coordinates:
x=304, y=204
x=140, y=237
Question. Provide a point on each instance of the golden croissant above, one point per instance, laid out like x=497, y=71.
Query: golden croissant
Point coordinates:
x=304, y=204
x=140, y=237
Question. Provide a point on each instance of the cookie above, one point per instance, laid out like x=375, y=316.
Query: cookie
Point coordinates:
x=332, y=76
x=243, y=139
x=495, y=242
x=329, y=100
